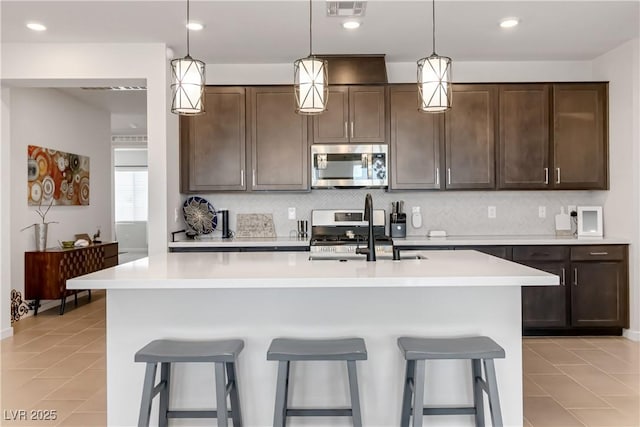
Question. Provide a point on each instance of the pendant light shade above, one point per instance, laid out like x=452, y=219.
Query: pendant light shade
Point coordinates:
x=310, y=84
x=310, y=80
x=434, y=83
x=188, y=81
x=188, y=78
x=434, y=78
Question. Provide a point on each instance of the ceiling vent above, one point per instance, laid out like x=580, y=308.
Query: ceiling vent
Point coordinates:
x=346, y=8
x=118, y=88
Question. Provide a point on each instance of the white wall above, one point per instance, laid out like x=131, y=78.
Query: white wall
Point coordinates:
x=620, y=67
x=70, y=64
x=5, y=216
x=52, y=119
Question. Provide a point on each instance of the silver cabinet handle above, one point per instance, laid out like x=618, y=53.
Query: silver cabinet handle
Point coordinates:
x=598, y=253
x=562, y=282
x=575, y=276
x=253, y=177
x=241, y=177
x=546, y=176
x=346, y=131
x=558, y=170
x=352, y=130
x=448, y=175
x=438, y=176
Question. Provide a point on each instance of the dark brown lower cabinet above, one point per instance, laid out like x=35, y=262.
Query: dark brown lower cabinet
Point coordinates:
x=592, y=297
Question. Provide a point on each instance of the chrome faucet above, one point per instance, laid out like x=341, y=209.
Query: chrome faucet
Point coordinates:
x=370, y=250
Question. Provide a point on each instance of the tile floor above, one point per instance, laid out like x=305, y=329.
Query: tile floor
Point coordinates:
x=57, y=363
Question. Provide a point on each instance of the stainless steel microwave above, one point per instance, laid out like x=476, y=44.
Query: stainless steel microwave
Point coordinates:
x=349, y=165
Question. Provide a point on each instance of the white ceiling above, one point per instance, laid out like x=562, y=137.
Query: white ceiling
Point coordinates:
x=277, y=32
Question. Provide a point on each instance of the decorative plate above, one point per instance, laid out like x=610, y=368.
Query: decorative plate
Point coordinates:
x=199, y=215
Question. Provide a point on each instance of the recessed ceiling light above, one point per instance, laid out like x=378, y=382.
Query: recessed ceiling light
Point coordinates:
x=350, y=25
x=195, y=26
x=509, y=22
x=36, y=26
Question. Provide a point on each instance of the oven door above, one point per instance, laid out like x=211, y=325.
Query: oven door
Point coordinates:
x=352, y=165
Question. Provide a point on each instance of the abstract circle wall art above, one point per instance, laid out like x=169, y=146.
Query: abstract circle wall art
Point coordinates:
x=58, y=176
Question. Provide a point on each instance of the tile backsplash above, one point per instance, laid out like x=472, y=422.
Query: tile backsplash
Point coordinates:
x=456, y=212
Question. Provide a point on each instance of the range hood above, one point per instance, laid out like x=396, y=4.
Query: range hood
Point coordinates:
x=356, y=69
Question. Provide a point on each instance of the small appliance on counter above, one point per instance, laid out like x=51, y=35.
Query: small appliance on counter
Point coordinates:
x=563, y=224
x=397, y=220
x=224, y=218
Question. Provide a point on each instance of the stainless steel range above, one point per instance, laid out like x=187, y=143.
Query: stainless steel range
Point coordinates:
x=335, y=234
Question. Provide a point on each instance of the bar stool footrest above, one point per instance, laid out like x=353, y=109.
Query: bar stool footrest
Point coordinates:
x=463, y=410
x=319, y=412
x=194, y=413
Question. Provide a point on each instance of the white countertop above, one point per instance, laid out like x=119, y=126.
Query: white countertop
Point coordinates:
x=420, y=240
x=507, y=240
x=253, y=270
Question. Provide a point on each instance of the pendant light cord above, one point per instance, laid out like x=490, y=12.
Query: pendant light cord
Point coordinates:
x=310, y=26
x=433, y=23
x=188, y=28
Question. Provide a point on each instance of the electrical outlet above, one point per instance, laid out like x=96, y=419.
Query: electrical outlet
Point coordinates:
x=175, y=215
x=491, y=212
x=572, y=208
x=292, y=213
x=415, y=209
x=542, y=212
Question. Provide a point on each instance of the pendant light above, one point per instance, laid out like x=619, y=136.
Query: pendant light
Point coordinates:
x=311, y=83
x=188, y=81
x=434, y=78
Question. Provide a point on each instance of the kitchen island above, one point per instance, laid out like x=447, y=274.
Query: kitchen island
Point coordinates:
x=261, y=296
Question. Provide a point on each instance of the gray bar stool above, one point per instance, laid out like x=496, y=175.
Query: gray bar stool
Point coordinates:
x=417, y=351
x=289, y=350
x=223, y=354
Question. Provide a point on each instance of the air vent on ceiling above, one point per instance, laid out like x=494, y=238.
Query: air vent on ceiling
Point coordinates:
x=116, y=88
x=346, y=8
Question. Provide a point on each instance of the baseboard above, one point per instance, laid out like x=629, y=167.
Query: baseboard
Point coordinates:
x=6, y=333
x=631, y=334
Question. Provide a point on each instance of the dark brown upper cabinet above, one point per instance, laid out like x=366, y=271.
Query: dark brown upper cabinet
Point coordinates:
x=279, y=141
x=523, y=147
x=470, y=137
x=580, y=136
x=354, y=114
x=212, y=145
x=415, y=140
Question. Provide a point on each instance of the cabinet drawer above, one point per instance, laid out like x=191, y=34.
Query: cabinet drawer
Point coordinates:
x=498, y=251
x=540, y=253
x=598, y=253
x=111, y=250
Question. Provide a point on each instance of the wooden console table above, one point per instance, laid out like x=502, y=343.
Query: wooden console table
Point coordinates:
x=46, y=272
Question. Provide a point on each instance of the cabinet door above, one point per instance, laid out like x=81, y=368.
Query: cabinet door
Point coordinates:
x=333, y=124
x=580, y=136
x=367, y=114
x=415, y=141
x=470, y=146
x=279, y=149
x=212, y=145
x=598, y=294
x=545, y=306
x=523, y=153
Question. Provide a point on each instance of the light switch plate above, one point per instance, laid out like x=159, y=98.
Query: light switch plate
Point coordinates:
x=491, y=212
x=292, y=213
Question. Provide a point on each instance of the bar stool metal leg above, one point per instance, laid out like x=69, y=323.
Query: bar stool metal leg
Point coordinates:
x=281, y=394
x=418, y=392
x=407, y=394
x=494, y=400
x=221, y=395
x=478, y=398
x=236, y=412
x=147, y=395
x=165, y=378
x=353, y=388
